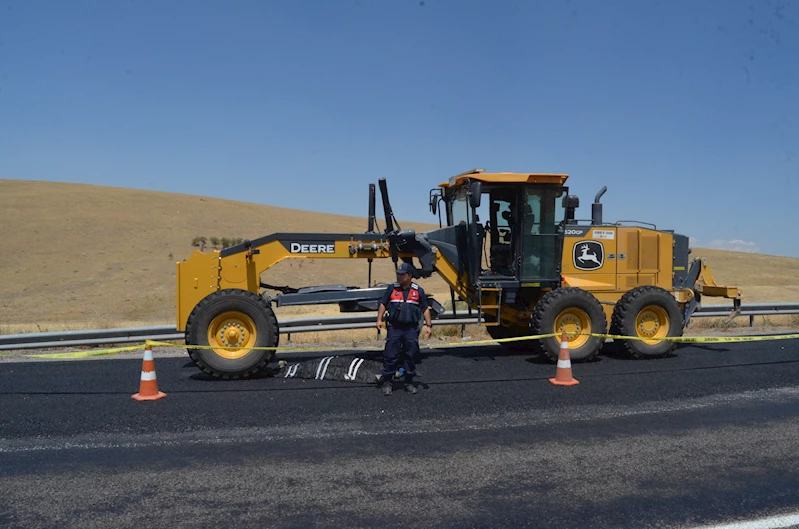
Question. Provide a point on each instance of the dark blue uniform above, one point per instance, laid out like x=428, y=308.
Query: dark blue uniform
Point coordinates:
x=404, y=309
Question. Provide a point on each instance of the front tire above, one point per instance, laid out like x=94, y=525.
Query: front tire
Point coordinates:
x=649, y=313
x=575, y=313
x=228, y=319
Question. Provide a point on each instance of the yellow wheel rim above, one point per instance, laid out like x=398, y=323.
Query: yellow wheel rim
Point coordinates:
x=573, y=322
x=231, y=330
x=652, y=323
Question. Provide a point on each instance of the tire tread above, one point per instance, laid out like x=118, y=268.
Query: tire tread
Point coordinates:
x=544, y=308
x=202, y=306
x=623, y=311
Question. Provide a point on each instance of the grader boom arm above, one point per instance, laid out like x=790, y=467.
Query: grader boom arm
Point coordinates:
x=241, y=266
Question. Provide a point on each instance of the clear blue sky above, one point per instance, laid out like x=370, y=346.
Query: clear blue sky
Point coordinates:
x=687, y=110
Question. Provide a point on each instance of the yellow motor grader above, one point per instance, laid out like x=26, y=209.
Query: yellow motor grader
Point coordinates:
x=512, y=249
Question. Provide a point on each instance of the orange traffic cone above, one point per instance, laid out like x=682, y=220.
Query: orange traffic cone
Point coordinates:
x=563, y=374
x=148, y=387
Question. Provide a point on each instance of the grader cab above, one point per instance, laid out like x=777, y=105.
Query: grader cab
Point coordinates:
x=512, y=249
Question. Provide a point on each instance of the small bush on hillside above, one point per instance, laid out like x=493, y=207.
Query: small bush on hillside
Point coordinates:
x=217, y=242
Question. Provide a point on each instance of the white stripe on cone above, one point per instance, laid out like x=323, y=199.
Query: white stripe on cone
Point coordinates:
x=564, y=363
x=148, y=375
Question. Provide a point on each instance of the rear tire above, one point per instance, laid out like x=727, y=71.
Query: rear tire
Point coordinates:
x=571, y=311
x=651, y=313
x=224, y=320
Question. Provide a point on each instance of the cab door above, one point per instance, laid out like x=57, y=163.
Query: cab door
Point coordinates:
x=541, y=240
x=501, y=239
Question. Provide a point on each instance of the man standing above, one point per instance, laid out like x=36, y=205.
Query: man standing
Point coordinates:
x=406, y=303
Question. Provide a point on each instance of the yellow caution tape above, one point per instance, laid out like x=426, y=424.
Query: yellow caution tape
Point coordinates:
x=152, y=343
x=706, y=339
x=329, y=348
x=498, y=340
x=86, y=354
x=679, y=339
x=341, y=348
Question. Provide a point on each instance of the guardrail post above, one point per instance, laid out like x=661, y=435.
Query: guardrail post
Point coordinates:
x=751, y=320
x=463, y=331
x=289, y=339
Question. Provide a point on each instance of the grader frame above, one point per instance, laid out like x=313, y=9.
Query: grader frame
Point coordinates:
x=544, y=272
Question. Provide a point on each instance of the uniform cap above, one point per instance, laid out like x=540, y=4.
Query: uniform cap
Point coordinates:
x=405, y=268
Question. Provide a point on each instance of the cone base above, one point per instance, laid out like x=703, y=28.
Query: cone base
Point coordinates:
x=139, y=396
x=572, y=382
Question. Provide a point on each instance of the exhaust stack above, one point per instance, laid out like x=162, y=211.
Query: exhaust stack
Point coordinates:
x=596, y=207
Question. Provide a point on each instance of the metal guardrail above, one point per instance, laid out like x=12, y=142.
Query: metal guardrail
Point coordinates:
x=310, y=324
x=168, y=332
x=751, y=310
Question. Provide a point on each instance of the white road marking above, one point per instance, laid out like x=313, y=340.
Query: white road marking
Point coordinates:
x=773, y=522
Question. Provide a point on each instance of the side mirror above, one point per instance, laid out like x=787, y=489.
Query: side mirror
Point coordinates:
x=475, y=194
x=434, y=205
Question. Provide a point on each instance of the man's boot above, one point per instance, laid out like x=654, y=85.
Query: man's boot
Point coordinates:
x=410, y=387
x=384, y=382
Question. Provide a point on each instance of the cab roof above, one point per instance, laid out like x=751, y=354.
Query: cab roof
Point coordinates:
x=505, y=178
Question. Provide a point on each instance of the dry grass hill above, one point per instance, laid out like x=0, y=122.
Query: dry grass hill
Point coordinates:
x=104, y=256
x=96, y=256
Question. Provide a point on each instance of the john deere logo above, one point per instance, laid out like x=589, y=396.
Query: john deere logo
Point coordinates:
x=588, y=255
x=296, y=247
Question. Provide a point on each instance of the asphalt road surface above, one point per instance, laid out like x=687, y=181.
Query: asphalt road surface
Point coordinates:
x=707, y=436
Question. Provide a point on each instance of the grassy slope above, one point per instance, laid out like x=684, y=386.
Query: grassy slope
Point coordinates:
x=106, y=256
x=764, y=278
x=100, y=255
